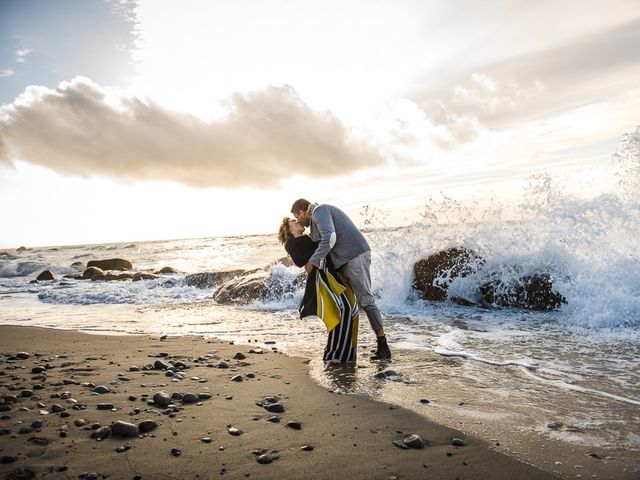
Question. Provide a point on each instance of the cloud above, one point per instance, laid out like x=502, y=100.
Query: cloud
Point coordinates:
x=21, y=54
x=82, y=129
x=7, y=72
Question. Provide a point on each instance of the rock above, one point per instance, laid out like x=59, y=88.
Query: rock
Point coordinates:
x=264, y=459
x=146, y=426
x=79, y=422
x=36, y=424
x=161, y=399
x=143, y=276
x=236, y=378
x=259, y=284
x=124, y=447
x=532, y=292
x=101, y=389
x=205, y=439
x=92, y=272
x=111, y=264
x=160, y=365
x=26, y=393
x=22, y=249
x=189, y=398
x=274, y=419
x=78, y=265
x=124, y=429
x=307, y=448
x=400, y=445
x=413, y=441
x=433, y=275
x=274, y=407
x=239, y=356
x=46, y=275
x=56, y=408
x=101, y=433
x=105, y=406
x=424, y=401
x=165, y=270
x=134, y=368
x=115, y=276
x=204, y=396
x=38, y=369
x=22, y=355
x=457, y=442
x=234, y=431
x=176, y=452
x=25, y=429
x=223, y=364
x=251, y=375
x=554, y=425
x=210, y=279
x=8, y=459
x=294, y=425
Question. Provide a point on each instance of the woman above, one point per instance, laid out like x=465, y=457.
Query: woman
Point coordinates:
x=326, y=295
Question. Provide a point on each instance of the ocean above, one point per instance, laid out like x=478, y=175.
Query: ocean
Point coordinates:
x=569, y=375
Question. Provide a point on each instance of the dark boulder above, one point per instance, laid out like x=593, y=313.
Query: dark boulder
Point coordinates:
x=254, y=285
x=433, y=275
x=115, y=276
x=46, y=275
x=92, y=272
x=210, y=279
x=21, y=249
x=111, y=264
x=533, y=292
x=164, y=270
x=143, y=276
x=78, y=265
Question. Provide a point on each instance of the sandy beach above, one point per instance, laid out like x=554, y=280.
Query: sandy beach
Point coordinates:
x=50, y=381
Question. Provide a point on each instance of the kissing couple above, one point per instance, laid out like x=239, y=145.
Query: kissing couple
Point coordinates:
x=337, y=260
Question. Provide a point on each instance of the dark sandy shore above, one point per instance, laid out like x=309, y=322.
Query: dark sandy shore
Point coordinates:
x=50, y=409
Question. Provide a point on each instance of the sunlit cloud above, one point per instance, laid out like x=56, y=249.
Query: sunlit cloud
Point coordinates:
x=82, y=129
x=7, y=72
x=21, y=54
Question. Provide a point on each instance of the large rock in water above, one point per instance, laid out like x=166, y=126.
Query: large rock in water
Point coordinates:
x=46, y=275
x=533, y=292
x=210, y=279
x=432, y=275
x=111, y=264
x=92, y=272
x=256, y=285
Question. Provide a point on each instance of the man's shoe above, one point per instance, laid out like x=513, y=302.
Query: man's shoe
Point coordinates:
x=383, y=352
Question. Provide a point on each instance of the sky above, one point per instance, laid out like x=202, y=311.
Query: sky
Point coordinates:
x=141, y=120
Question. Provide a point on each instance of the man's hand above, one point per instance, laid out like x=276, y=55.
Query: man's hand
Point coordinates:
x=308, y=267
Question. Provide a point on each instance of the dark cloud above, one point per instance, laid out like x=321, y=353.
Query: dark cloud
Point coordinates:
x=268, y=135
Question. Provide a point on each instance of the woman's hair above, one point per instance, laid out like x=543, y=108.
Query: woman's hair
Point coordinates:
x=283, y=232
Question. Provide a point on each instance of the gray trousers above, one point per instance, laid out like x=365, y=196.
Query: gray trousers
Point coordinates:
x=357, y=272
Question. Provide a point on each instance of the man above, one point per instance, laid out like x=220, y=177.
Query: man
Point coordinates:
x=350, y=255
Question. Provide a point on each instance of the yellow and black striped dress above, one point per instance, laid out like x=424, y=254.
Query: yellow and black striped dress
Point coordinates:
x=328, y=295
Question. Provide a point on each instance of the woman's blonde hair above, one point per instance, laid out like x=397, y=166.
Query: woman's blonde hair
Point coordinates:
x=283, y=232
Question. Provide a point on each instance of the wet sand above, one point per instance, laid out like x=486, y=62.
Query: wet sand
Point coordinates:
x=341, y=436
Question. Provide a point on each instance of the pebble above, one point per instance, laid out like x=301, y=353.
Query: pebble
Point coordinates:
x=413, y=441
x=134, y=368
x=176, y=452
x=79, y=422
x=160, y=365
x=36, y=424
x=124, y=447
x=26, y=393
x=105, y=406
x=25, y=429
x=275, y=407
x=162, y=399
x=424, y=401
x=37, y=369
x=22, y=355
x=251, y=375
x=56, y=408
x=204, y=396
x=239, y=356
x=7, y=459
x=101, y=389
x=206, y=439
x=147, y=426
x=274, y=419
x=234, y=431
x=457, y=442
x=264, y=459
x=189, y=398
x=306, y=448
x=554, y=425
x=101, y=433
x=236, y=378
x=294, y=425
x=124, y=429
x=223, y=365
x=258, y=351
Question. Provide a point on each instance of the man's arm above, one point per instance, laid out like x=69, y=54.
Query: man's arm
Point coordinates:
x=323, y=221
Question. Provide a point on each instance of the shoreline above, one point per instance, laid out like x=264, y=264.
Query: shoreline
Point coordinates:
x=349, y=435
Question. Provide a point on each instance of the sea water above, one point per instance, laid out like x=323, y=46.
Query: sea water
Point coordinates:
x=499, y=368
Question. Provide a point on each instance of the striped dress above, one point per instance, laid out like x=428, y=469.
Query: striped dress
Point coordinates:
x=328, y=296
